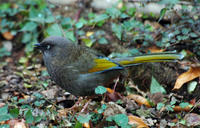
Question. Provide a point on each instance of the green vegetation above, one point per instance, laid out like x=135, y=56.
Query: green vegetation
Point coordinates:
x=30, y=21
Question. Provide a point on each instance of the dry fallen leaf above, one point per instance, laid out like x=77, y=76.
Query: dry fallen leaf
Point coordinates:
x=134, y=120
x=192, y=119
x=86, y=125
x=113, y=109
x=139, y=99
x=179, y=108
x=88, y=34
x=8, y=36
x=2, y=104
x=16, y=123
x=154, y=49
x=191, y=74
x=109, y=90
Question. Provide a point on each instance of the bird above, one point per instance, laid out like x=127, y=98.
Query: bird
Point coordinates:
x=79, y=69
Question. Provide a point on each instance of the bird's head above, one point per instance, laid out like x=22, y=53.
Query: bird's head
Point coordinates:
x=53, y=45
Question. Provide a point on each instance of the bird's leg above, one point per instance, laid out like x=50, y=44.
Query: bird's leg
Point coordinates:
x=85, y=106
x=76, y=103
x=117, y=80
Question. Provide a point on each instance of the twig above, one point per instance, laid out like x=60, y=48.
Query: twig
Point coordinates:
x=84, y=107
x=117, y=80
x=131, y=84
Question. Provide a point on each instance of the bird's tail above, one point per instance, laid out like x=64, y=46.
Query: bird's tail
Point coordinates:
x=155, y=57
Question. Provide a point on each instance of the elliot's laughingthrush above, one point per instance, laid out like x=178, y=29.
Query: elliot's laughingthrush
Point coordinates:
x=79, y=69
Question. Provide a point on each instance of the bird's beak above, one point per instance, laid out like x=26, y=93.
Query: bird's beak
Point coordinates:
x=38, y=46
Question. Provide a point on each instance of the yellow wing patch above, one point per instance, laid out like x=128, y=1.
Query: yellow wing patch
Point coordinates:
x=102, y=64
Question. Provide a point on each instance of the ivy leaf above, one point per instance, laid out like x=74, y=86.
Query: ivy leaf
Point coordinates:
x=160, y=105
x=70, y=35
x=54, y=30
x=117, y=29
x=156, y=87
x=78, y=125
x=5, y=126
x=102, y=41
x=4, y=113
x=120, y=120
x=84, y=118
x=168, y=1
x=29, y=116
x=184, y=104
x=14, y=112
x=113, y=12
x=100, y=90
x=30, y=26
x=100, y=17
x=102, y=109
x=4, y=110
x=162, y=13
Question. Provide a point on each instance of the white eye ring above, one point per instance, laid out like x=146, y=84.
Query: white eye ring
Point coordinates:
x=48, y=47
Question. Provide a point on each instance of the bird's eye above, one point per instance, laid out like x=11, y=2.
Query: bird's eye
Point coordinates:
x=48, y=47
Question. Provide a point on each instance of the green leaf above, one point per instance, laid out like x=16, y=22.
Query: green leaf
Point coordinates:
x=191, y=86
x=102, y=109
x=162, y=13
x=29, y=46
x=100, y=90
x=168, y=1
x=29, y=117
x=184, y=104
x=39, y=103
x=170, y=108
x=113, y=12
x=88, y=42
x=4, y=52
x=81, y=23
x=159, y=106
x=26, y=37
x=84, y=118
x=5, y=126
x=117, y=29
x=173, y=101
x=70, y=35
x=4, y=110
x=192, y=34
x=134, y=51
x=54, y=30
x=49, y=19
x=131, y=11
x=14, y=112
x=5, y=6
x=102, y=41
x=38, y=95
x=38, y=118
x=100, y=17
x=110, y=127
x=120, y=120
x=78, y=125
x=156, y=87
x=123, y=16
x=128, y=25
x=45, y=83
x=4, y=113
x=5, y=117
x=23, y=60
x=185, y=31
x=26, y=85
x=30, y=26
